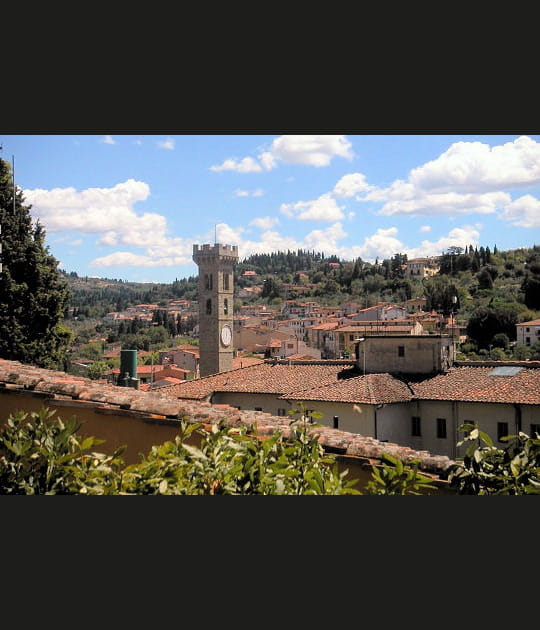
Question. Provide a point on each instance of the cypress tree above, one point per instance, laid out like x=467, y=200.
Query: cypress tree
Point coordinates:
x=33, y=295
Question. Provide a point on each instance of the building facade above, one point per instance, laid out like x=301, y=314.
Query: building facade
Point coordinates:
x=528, y=333
x=215, y=286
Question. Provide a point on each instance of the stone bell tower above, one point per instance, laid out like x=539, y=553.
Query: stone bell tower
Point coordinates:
x=216, y=294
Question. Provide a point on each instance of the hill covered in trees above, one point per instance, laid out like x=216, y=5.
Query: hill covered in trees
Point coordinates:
x=489, y=290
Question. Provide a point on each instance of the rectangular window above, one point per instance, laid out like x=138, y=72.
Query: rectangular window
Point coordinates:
x=401, y=351
x=336, y=422
x=502, y=430
x=281, y=412
x=415, y=425
x=535, y=428
x=225, y=281
x=441, y=428
x=258, y=408
x=225, y=306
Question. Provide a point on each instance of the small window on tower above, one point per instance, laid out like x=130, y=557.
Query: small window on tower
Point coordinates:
x=225, y=306
x=209, y=307
x=225, y=281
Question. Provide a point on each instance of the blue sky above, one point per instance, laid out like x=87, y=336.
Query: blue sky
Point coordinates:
x=132, y=206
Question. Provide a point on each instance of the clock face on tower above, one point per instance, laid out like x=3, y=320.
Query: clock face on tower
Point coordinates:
x=226, y=335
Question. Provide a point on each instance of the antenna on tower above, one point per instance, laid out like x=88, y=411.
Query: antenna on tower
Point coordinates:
x=215, y=233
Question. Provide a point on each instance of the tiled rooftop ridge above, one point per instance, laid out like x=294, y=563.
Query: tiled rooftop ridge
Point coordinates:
x=60, y=385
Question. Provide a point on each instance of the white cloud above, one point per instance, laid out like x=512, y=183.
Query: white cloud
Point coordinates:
x=443, y=203
x=458, y=237
x=325, y=240
x=166, y=144
x=128, y=259
x=245, y=193
x=383, y=244
x=108, y=140
x=94, y=210
x=245, y=165
x=324, y=208
x=351, y=184
x=468, y=178
x=310, y=150
x=523, y=212
x=265, y=223
x=477, y=167
x=425, y=228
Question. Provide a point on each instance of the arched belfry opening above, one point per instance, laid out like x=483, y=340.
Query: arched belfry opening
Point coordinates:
x=216, y=293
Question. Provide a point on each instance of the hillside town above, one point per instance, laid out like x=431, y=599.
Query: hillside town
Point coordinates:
x=386, y=371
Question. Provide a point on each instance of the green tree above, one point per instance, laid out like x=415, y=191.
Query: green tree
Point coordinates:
x=33, y=295
x=97, y=369
x=487, y=470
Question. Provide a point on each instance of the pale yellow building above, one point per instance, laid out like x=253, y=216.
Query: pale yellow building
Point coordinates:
x=528, y=333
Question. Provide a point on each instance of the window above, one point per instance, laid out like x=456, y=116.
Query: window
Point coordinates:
x=336, y=422
x=415, y=427
x=535, y=428
x=225, y=281
x=258, y=408
x=502, y=430
x=441, y=428
x=281, y=412
x=527, y=340
x=209, y=307
x=401, y=351
x=225, y=306
x=208, y=281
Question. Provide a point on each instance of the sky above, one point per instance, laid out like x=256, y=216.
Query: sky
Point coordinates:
x=131, y=207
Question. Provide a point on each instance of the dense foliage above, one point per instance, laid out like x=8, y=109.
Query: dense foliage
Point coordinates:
x=487, y=470
x=41, y=454
x=33, y=295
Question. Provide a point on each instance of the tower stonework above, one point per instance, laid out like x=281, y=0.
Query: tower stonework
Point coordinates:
x=216, y=294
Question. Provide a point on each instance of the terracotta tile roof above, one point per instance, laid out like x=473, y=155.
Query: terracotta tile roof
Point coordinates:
x=371, y=389
x=240, y=362
x=325, y=326
x=532, y=322
x=266, y=378
x=479, y=384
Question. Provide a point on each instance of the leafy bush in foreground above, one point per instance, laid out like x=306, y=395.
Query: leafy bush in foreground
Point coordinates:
x=41, y=454
x=486, y=469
